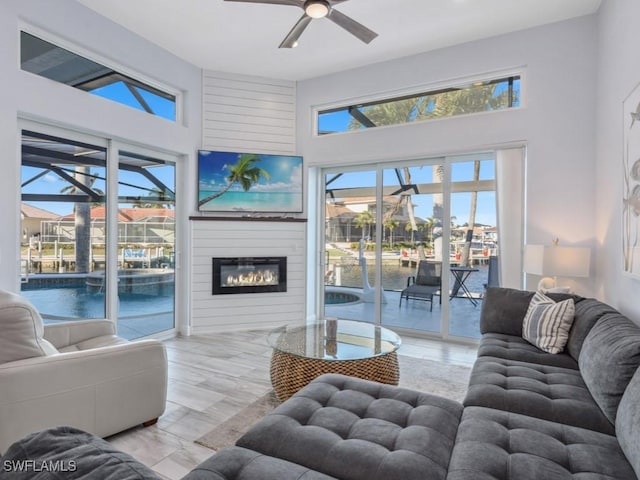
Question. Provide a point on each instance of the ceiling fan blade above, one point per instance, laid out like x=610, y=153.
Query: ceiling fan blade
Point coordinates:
x=295, y=3
x=293, y=36
x=351, y=26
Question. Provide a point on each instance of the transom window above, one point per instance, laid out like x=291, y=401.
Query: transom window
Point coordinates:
x=55, y=63
x=481, y=96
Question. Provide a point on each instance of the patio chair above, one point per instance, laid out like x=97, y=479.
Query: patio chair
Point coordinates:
x=425, y=284
x=493, y=274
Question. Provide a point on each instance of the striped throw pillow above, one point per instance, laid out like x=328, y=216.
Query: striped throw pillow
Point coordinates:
x=547, y=323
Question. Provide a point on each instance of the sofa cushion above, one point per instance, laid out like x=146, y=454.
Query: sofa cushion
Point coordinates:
x=236, y=463
x=492, y=444
x=627, y=421
x=512, y=347
x=546, y=323
x=587, y=313
x=541, y=391
x=503, y=309
x=22, y=330
x=354, y=429
x=610, y=356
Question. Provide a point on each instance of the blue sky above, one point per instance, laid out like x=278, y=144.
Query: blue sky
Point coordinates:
x=51, y=183
x=118, y=92
x=460, y=202
x=462, y=171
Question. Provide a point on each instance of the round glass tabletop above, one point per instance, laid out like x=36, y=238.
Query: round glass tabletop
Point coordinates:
x=334, y=339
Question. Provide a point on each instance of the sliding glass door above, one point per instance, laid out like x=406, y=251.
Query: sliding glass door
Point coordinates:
x=473, y=240
x=98, y=232
x=387, y=226
x=350, y=244
x=412, y=218
x=146, y=244
x=62, y=241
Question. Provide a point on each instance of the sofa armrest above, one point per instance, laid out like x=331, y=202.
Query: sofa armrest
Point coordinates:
x=102, y=391
x=69, y=333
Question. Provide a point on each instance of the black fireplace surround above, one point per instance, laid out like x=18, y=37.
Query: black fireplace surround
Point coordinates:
x=249, y=275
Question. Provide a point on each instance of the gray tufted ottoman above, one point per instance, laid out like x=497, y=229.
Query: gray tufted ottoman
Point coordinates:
x=351, y=429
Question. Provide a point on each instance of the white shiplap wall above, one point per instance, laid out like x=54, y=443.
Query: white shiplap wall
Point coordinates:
x=248, y=114
x=256, y=115
x=246, y=239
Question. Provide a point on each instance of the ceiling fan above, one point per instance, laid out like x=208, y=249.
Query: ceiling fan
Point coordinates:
x=318, y=9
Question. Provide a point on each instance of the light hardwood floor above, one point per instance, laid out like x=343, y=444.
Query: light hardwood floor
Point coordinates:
x=213, y=377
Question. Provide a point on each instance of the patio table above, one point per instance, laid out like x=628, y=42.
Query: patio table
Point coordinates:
x=460, y=275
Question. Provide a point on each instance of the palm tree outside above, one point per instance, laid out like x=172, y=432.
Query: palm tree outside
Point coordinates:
x=391, y=224
x=440, y=104
x=365, y=219
x=466, y=250
x=82, y=217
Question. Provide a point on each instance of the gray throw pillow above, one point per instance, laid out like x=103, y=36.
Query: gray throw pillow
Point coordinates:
x=503, y=310
x=547, y=323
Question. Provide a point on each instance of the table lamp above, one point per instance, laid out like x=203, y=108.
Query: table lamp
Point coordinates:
x=555, y=261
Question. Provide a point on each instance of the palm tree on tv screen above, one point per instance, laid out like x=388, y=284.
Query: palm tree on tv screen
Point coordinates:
x=245, y=172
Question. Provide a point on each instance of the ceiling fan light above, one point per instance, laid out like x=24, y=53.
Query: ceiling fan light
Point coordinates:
x=316, y=8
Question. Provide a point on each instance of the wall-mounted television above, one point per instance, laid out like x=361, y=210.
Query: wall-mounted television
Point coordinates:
x=249, y=182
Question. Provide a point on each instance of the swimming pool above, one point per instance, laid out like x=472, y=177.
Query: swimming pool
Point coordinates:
x=335, y=297
x=76, y=302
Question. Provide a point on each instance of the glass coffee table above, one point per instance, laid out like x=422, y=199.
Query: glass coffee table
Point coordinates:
x=304, y=352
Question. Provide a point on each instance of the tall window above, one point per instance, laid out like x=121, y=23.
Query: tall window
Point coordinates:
x=382, y=222
x=146, y=244
x=63, y=181
x=67, y=269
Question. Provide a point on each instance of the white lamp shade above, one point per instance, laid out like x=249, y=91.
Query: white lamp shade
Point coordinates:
x=557, y=261
x=567, y=261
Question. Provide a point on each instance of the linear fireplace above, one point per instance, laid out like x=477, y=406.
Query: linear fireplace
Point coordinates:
x=249, y=275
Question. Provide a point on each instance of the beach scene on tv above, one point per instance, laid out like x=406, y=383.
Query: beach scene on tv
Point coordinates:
x=249, y=182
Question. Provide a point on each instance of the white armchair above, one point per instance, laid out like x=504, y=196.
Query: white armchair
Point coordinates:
x=75, y=373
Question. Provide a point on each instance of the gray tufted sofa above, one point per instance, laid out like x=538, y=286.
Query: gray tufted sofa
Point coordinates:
x=528, y=415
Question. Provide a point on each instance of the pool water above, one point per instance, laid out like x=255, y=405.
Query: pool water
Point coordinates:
x=77, y=302
x=335, y=298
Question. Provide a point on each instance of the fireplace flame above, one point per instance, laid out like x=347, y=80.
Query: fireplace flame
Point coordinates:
x=257, y=278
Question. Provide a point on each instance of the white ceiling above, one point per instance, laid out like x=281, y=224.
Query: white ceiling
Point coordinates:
x=244, y=37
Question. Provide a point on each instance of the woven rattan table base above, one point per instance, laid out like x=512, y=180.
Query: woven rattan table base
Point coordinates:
x=289, y=373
